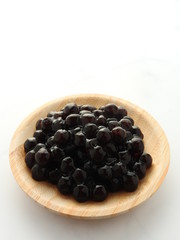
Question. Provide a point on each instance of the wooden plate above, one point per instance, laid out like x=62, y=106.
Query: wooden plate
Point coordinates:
x=48, y=196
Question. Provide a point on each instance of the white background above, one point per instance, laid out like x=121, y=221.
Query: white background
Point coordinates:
x=128, y=49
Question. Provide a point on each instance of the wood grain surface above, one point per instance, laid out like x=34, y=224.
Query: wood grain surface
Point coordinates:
x=48, y=196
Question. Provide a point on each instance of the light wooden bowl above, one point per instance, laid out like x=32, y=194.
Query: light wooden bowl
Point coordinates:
x=48, y=196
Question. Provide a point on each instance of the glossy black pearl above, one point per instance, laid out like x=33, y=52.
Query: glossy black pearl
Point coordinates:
x=70, y=108
x=111, y=119
x=97, y=154
x=119, y=169
x=147, y=159
x=69, y=150
x=82, y=112
x=81, y=157
x=50, y=114
x=40, y=136
x=100, y=127
x=30, y=159
x=39, y=173
x=58, y=124
x=90, y=130
x=88, y=167
x=65, y=185
x=118, y=134
x=67, y=165
x=61, y=137
x=57, y=153
x=113, y=124
x=124, y=157
x=111, y=149
x=101, y=121
x=55, y=115
x=39, y=146
x=130, y=182
x=29, y=144
x=79, y=176
x=39, y=124
x=50, y=141
x=72, y=132
x=79, y=139
x=75, y=130
x=121, y=113
x=47, y=124
x=125, y=124
x=42, y=157
x=110, y=110
x=88, y=118
x=104, y=135
x=105, y=172
x=97, y=112
x=54, y=176
x=115, y=184
x=129, y=135
x=136, y=146
x=137, y=131
x=73, y=120
x=99, y=193
x=81, y=193
x=88, y=107
x=140, y=169
x=130, y=119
